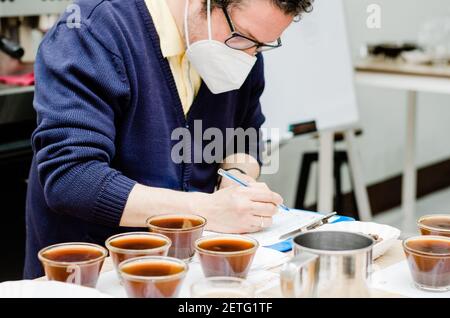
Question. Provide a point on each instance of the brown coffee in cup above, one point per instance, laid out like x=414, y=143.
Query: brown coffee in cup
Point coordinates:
x=137, y=244
x=438, y=224
x=153, y=276
x=429, y=261
x=183, y=230
x=226, y=255
x=75, y=263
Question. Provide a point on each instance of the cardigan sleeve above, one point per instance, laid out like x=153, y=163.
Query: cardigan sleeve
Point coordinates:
x=81, y=93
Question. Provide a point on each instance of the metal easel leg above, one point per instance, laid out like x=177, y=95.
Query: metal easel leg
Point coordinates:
x=409, y=186
x=326, y=162
x=356, y=172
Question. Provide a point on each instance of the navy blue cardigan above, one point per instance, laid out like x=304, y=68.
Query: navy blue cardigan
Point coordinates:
x=107, y=104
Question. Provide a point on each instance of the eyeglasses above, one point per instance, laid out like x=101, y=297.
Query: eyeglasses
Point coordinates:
x=241, y=42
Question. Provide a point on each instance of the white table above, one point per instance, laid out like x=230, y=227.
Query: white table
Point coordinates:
x=413, y=79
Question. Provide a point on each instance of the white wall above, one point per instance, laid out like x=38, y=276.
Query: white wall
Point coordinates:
x=383, y=111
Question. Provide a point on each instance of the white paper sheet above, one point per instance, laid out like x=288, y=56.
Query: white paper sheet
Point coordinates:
x=283, y=223
x=397, y=279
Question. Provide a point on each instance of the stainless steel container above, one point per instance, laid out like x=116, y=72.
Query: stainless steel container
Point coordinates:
x=328, y=264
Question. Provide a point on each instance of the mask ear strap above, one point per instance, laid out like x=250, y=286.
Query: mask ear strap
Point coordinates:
x=186, y=30
x=209, y=19
x=186, y=27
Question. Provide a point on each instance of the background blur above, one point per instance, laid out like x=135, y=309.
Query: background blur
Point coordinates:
x=382, y=111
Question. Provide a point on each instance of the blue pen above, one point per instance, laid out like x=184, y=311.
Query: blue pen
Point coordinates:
x=226, y=174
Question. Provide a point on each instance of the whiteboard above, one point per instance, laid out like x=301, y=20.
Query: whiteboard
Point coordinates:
x=311, y=77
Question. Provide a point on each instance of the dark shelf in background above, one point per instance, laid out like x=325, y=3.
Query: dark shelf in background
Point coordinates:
x=17, y=122
x=13, y=171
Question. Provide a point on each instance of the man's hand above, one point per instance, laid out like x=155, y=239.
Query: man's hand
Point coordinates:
x=237, y=210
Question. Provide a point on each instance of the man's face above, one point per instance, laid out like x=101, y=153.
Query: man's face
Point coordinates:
x=259, y=20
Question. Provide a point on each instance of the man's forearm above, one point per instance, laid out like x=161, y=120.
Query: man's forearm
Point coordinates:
x=144, y=202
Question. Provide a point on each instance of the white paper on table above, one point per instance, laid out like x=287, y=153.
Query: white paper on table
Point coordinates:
x=259, y=275
x=283, y=223
x=397, y=279
x=46, y=289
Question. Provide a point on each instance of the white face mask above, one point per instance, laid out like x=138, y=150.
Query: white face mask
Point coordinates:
x=222, y=68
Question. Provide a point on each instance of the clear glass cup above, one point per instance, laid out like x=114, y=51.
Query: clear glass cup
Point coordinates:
x=222, y=287
x=73, y=263
x=429, y=261
x=435, y=224
x=182, y=229
x=226, y=255
x=153, y=276
x=136, y=244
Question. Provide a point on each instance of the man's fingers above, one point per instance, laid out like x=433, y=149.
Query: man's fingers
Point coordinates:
x=260, y=222
x=267, y=196
x=247, y=178
x=259, y=185
x=264, y=209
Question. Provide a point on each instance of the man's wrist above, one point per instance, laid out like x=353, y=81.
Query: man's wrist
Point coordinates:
x=196, y=203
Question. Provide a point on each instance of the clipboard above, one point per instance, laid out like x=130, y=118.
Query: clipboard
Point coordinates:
x=313, y=225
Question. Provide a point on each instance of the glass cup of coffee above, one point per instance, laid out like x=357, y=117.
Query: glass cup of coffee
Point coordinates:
x=182, y=229
x=153, y=276
x=136, y=244
x=222, y=287
x=429, y=261
x=226, y=255
x=74, y=263
x=437, y=224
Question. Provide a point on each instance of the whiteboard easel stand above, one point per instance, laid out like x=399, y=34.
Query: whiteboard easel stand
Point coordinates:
x=326, y=168
x=409, y=182
x=326, y=154
x=312, y=79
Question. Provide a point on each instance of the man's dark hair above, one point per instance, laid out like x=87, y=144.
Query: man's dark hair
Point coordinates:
x=292, y=7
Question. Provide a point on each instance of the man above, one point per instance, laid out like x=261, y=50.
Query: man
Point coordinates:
x=111, y=91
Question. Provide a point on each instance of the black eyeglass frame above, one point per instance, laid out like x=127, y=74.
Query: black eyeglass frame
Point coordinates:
x=257, y=44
